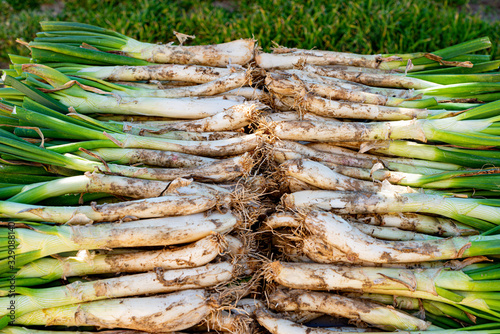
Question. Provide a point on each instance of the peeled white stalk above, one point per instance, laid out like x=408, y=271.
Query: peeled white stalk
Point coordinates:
x=187, y=107
x=282, y=219
x=346, y=109
x=217, y=86
x=162, y=313
x=354, y=69
x=391, y=233
x=371, y=79
x=217, y=171
x=374, y=314
x=159, y=281
x=192, y=255
x=190, y=73
x=290, y=220
x=238, y=52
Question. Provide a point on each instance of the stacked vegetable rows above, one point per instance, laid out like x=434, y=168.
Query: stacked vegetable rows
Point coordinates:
x=146, y=187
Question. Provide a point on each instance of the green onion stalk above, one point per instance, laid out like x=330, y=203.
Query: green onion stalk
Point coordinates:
x=112, y=137
x=427, y=284
x=88, y=99
x=288, y=58
x=430, y=306
x=490, y=271
x=462, y=61
x=24, y=330
x=94, y=183
x=60, y=36
x=483, y=67
x=232, y=81
x=220, y=85
x=374, y=314
x=474, y=158
x=168, y=72
x=399, y=80
x=481, y=214
x=359, y=245
x=220, y=169
x=334, y=156
x=287, y=84
x=448, y=79
x=32, y=299
x=330, y=86
x=348, y=178
x=168, y=204
x=39, y=241
x=165, y=312
x=474, y=128
x=45, y=270
x=278, y=324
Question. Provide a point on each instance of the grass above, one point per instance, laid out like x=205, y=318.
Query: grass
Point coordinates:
x=362, y=26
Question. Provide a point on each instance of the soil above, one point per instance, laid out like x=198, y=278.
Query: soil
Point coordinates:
x=488, y=9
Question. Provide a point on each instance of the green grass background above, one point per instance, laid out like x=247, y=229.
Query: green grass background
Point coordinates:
x=362, y=26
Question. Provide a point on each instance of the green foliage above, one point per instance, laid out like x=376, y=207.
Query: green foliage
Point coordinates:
x=362, y=26
x=20, y=4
